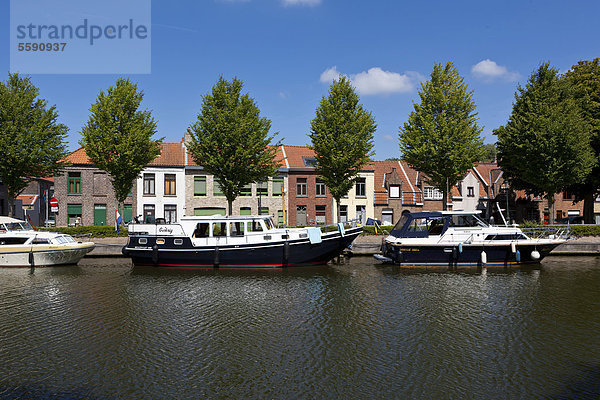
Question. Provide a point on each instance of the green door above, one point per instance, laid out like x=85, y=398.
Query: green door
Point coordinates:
x=127, y=215
x=100, y=214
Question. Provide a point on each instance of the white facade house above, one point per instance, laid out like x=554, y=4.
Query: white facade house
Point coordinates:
x=359, y=203
x=160, y=189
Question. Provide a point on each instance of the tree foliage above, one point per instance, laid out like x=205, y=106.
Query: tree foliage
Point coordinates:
x=584, y=80
x=489, y=153
x=545, y=145
x=231, y=140
x=342, y=138
x=31, y=140
x=118, y=136
x=441, y=137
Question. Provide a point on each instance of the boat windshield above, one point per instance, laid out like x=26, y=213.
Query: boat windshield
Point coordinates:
x=18, y=226
x=464, y=221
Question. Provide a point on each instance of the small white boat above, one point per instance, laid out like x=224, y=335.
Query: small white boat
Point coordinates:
x=21, y=246
x=461, y=238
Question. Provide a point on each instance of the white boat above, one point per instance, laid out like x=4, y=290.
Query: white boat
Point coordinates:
x=21, y=246
x=234, y=242
x=461, y=238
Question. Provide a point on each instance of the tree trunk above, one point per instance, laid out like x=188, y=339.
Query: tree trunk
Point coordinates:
x=444, y=200
x=551, y=209
x=230, y=207
x=588, y=208
x=11, y=206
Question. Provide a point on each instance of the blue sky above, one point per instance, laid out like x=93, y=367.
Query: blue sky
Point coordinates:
x=286, y=51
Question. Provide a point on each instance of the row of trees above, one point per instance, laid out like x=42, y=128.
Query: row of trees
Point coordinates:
x=229, y=139
x=551, y=141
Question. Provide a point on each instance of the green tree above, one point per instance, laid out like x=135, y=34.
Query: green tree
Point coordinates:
x=118, y=136
x=545, y=145
x=31, y=140
x=584, y=79
x=441, y=137
x=342, y=138
x=489, y=153
x=231, y=140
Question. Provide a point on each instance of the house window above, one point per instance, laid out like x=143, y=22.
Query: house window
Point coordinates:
x=263, y=211
x=245, y=211
x=148, y=184
x=74, y=214
x=431, y=193
x=170, y=185
x=320, y=213
x=361, y=187
x=74, y=182
x=343, y=213
x=280, y=217
x=568, y=195
x=149, y=213
x=217, y=191
x=199, y=186
x=320, y=188
x=470, y=191
x=301, y=187
x=246, y=190
x=170, y=213
x=360, y=213
x=387, y=216
x=262, y=189
x=277, y=186
x=395, y=192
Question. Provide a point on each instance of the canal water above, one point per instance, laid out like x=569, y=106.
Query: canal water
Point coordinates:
x=105, y=330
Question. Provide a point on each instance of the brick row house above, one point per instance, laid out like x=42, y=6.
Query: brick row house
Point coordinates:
x=85, y=194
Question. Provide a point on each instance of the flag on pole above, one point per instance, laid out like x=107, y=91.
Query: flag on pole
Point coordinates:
x=118, y=220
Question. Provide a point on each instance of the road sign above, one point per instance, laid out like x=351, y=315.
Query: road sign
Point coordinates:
x=53, y=205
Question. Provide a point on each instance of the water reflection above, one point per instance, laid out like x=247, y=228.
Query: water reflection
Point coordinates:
x=106, y=330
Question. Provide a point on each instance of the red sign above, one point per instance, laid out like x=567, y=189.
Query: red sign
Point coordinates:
x=53, y=202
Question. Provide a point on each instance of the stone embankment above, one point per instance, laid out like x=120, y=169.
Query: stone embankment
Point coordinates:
x=363, y=245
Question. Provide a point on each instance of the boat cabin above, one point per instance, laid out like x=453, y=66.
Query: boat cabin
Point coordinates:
x=435, y=223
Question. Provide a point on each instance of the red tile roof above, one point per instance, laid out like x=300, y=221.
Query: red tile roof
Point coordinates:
x=294, y=156
x=170, y=154
x=28, y=200
x=78, y=157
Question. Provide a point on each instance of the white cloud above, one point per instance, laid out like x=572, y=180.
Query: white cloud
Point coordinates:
x=488, y=70
x=301, y=2
x=376, y=81
x=388, y=138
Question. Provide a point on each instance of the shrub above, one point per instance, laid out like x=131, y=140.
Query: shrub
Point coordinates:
x=92, y=231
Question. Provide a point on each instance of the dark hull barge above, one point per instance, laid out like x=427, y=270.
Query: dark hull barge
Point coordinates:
x=234, y=242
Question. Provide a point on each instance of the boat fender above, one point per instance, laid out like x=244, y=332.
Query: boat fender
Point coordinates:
x=155, y=254
x=216, y=260
x=286, y=253
x=454, y=253
x=513, y=247
x=483, y=258
x=31, y=260
x=518, y=256
x=460, y=247
x=535, y=255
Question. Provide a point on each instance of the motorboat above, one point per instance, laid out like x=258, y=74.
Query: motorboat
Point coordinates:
x=462, y=238
x=22, y=246
x=235, y=242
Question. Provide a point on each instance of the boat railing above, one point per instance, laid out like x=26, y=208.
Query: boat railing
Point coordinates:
x=549, y=232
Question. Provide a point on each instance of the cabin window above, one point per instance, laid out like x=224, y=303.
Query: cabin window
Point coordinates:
x=277, y=186
x=178, y=242
x=219, y=229
x=236, y=228
x=11, y=240
x=160, y=241
x=466, y=221
x=255, y=226
x=74, y=182
x=170, y=185
x=199, y=185
x=510, y=236
x=143, y=241
x=149, y=185
x=201, y=230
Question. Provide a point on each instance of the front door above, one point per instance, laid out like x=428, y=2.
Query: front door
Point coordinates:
x=300, y=215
